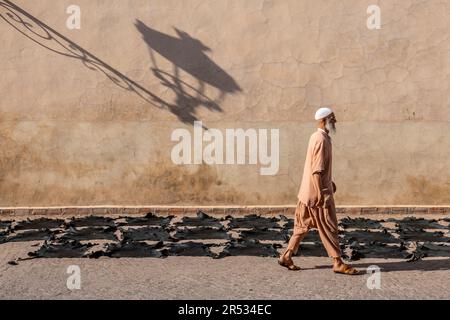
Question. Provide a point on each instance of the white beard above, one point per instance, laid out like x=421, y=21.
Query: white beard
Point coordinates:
x=331, y=127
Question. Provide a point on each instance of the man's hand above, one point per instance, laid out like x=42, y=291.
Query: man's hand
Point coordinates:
x=334, y=187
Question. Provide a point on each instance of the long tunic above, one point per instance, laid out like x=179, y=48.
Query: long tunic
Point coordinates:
x=308, y=215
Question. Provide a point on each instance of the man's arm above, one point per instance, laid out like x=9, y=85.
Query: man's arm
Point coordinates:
x=317, y=179
x=324, y=195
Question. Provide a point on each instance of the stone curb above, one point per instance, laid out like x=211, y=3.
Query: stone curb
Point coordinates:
x=285, y=210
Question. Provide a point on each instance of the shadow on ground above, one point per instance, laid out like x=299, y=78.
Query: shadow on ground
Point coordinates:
x=423, y=265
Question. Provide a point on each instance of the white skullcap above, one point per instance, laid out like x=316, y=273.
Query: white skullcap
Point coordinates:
x=323, y=113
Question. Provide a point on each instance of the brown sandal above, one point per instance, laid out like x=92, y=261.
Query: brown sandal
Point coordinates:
x=346, y=269
x=291, y=266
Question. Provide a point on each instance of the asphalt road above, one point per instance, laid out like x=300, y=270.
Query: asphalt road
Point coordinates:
x=206, y=278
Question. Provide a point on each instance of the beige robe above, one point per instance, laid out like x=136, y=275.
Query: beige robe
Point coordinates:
x=308, y=215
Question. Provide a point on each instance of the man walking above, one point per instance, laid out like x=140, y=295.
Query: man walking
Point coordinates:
x=316, y=208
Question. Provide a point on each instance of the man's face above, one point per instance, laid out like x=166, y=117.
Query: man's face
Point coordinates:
x=331, y=123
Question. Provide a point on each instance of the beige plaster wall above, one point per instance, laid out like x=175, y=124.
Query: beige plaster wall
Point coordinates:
x=86, y=115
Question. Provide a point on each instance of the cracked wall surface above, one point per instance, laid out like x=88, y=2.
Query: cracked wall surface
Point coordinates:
x=86, y=115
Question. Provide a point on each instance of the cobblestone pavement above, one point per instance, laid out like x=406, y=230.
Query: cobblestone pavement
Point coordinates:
x=206, y=278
